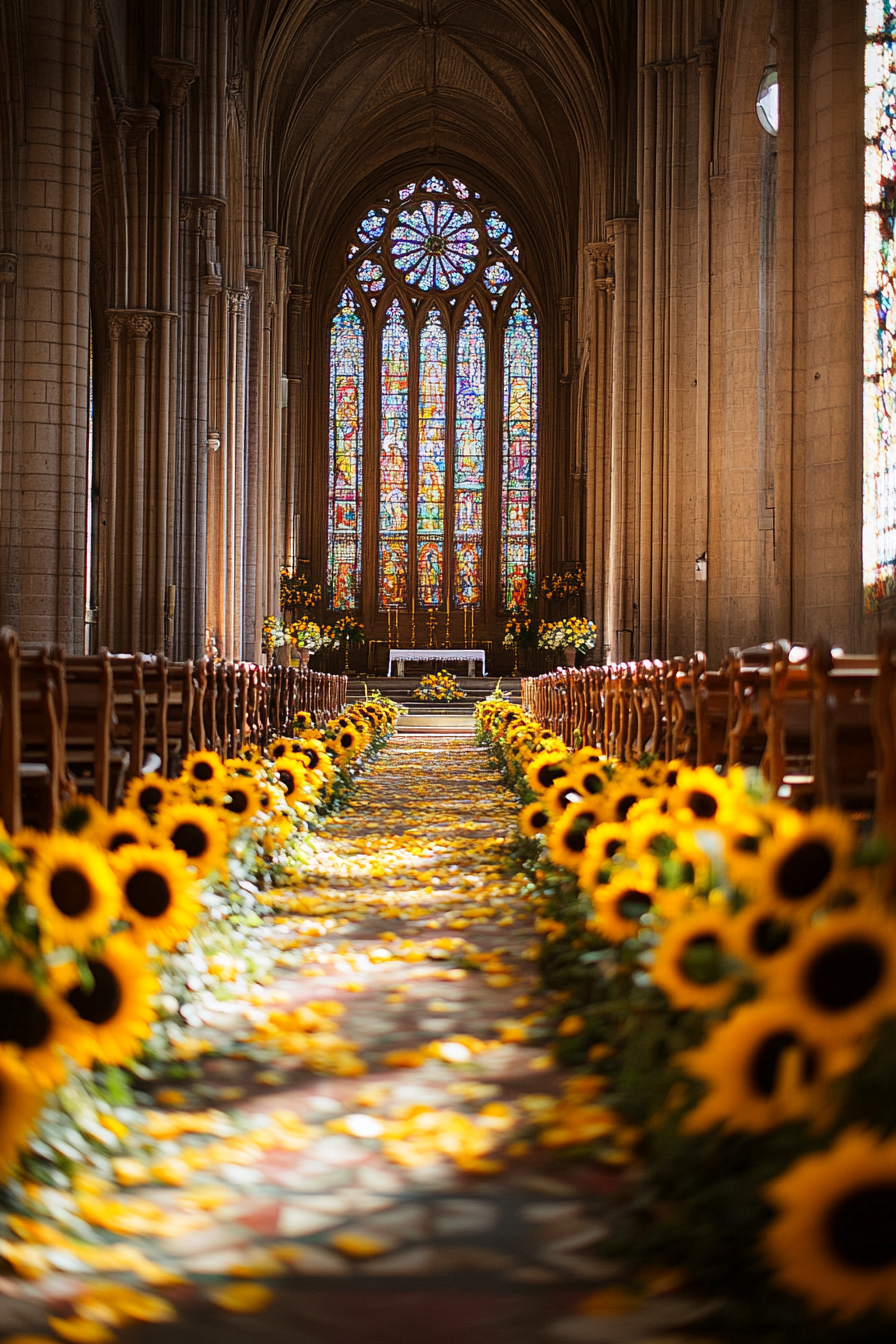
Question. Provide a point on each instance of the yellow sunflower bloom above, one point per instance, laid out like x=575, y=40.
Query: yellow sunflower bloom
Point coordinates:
x=117, y=1012
x=545, y=769
x=281, y=746
x=619, y=797
x=292, y=779
x=73, y=889
x=702, y=795
x=198, y=833
x=761, y=1070
x=303, y=720
x=36, y=1024
x=159, y=894
x=689, y=963
x=201, y=767
x=604, y=841
x=242, y=799
x=842, y=973
x=8, y=883
x=743, y=831
x=833, y=1242
x=621, y=903
x=563, y=792
x=534, y=819
x=78, y=812
x=150, y=793
x=802, y=863
x=568, y=837
x=759, y=931
x=113, y=830
x=21, y=1098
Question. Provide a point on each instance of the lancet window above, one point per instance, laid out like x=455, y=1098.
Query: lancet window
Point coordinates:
x=435, y=334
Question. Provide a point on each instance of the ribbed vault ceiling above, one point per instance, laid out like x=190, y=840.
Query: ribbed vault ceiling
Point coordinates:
x=354, y=94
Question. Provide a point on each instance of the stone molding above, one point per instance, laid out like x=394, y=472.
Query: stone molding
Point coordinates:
x=177, y=75
x=8, y=267
x=136, y=124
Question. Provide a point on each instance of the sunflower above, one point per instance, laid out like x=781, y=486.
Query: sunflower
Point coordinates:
x=303, y=720
x=116, y=1013
x=242, y=799
x=621, y=903
x=36, y=1024
x=73, y=889
x=842, y=973
x=805, y=859
x=561, y=795
x=348, y=741
x=534, y=819
x=150, y=793
x=833, y=1242
x=568, y=837
x=619, y=797
x=701, y=794
x=690, y=961
x=113, y=830
x=761, y=1070
x=201, y=767
x=292, y=779
x=605, y=840
x=21, y=1098
x=313, y=755
x=78, y=812
x=8, y=883
x=744, y=831
x=200, y=833
x=759, y=931
x=160, y=899
x=545, y=768
x=281, y=746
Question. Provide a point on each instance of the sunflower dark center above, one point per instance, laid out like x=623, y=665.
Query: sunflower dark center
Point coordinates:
x=701, y=960
x=203, y=771
x=844, y=974
x=287, y=780
x=150, y=798
x=576, y=841
x=633, y=904
x=747, y=844
x=540, y=819
x=120, y=839
x=671, y=777
x=769, y=936
x=147, y=892
x=862, y=1227
x=191, y=839
x=75, y=819
x=312, y=757
x=766, y=1062
x=70, y=892
x=804, y=870
x=548, y=773
x=346, y=740
x=592, y=783
x=624, y=805
x=23, y=1020
x=100, y=1004
x=613, y=847
x=703, y=804
x=567, y=796
x=239, y=802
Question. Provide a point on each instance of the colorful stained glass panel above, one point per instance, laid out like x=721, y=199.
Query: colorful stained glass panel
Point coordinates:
x=519, y=455
x=431, y=461
x=346, y=427
x=393, y=569
x=879, y=410
x=435, y=245
x=469, y=460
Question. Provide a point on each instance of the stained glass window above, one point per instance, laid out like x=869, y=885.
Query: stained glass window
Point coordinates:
x=469, y=460
x=518, y=467
x=436, y=245
x=431, y=461
x=346, y=425
x=879, y=411
x=497, y=277
x=393, y=572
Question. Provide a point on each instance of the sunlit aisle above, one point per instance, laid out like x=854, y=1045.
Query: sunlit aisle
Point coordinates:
x=396, y=1194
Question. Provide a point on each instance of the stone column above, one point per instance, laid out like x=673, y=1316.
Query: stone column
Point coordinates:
x=43, y=509
x=597, y=449
x=623, y=442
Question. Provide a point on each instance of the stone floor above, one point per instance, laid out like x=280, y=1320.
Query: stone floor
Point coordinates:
x=408, y=1203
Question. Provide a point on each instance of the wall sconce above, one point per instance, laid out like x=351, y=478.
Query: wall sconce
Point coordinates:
x=700, y=568
x=767, y=100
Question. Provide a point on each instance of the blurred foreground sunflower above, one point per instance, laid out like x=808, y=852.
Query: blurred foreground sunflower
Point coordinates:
x=201, y=767
x=833, y=1242
x=116, y=1012
x=621, y=903
x=802, y=863
x=21, y=1097
x=534, y=819
x=37, y=1024
x=199, y=834
x=73, y=889
x=690, y=963
x=159, y=894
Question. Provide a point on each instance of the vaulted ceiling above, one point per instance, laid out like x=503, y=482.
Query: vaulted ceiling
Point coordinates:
x=518, y=96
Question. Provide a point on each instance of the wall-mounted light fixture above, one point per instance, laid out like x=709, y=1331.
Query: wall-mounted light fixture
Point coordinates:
x=700, y=567
x=767, y=100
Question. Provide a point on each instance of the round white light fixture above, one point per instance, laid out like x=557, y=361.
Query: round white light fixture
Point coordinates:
x=767, y=100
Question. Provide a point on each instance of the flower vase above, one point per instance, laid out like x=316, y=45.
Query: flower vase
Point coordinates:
x=569, y=653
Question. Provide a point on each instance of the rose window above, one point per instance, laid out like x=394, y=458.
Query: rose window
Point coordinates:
x=435, y=245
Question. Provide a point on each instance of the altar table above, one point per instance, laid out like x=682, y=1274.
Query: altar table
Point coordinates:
x=470, y=656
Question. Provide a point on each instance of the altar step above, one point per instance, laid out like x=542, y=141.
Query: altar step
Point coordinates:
x=402, y=689
x=444, y=724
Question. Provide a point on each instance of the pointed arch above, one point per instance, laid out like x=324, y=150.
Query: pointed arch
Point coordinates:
x=393, y=459
x=346, y=438
x=519, y=454
x=469, y=458
x=431, y=458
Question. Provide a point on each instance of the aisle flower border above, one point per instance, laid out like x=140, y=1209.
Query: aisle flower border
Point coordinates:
x=678, y=911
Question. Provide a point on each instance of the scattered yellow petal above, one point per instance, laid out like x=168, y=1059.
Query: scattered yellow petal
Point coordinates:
x=358, y=1245
x=244, y=1298
x=572, y=1025
x=170, y=1096
x=130, y=1171
x=81, y=1331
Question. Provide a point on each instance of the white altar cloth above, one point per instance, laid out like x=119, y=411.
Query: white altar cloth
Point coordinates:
x=470, y=656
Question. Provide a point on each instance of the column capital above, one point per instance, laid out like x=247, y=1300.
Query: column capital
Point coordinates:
x=706, y=54
x=135, y=124
x=8, y=266
x=237, y=300
x=601, y=253
x=177, y=76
